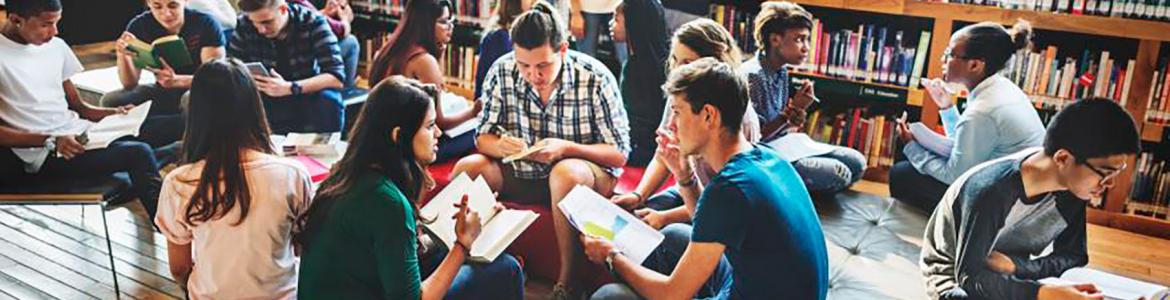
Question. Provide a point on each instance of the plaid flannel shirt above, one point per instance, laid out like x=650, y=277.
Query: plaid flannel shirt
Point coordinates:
x=586, y=109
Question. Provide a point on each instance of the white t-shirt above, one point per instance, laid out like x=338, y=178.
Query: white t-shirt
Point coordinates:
x=251, y=260
x=600, y=7
x=31, y=96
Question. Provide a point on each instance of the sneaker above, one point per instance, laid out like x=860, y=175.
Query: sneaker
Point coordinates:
x=561, y=291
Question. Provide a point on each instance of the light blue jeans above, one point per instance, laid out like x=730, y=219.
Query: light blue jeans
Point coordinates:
x=663, y=261
x=831, y=172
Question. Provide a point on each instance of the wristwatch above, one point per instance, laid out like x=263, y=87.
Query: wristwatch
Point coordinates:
x=51, y=144
x=295, y=88
x=609, y=259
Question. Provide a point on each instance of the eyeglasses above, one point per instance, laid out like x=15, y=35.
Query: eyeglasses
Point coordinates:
x=949, y=55
x=446, y=22
x=1105, y=175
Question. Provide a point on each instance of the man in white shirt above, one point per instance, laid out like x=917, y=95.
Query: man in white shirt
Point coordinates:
x=42, y=119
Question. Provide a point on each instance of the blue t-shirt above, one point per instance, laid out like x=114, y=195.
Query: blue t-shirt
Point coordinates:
x=758, y=208
x=199, y=30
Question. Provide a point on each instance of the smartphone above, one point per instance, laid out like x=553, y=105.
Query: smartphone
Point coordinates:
x=257, y=69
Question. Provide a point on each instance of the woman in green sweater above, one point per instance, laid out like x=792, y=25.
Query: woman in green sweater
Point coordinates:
x=361, y=236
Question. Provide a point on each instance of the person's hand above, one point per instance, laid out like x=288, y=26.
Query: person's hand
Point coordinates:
x=121, y=43
x=554, y=150
x=626, y=201
x=1000, y=263
x=596, y=249
x=940, y=92
x=95, y=114
x=68, y=147
x=1072, y=292
x=669, y=154
x=652, y=217
x=467, y=224
x=902, y=129
x=509, y=145
x=577, y=26
x=274, y=86
x=804, y=97
x=477, y=106
x=165, y=76
x=345, y=13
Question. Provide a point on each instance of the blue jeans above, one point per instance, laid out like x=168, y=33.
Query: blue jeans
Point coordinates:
x=124, y=155
x=350, y=54
x=164, y=123
x=831, y=172
x=501, y=279
x=595, y=26
x=315, y=112
x=663, y=261
x=455, y=147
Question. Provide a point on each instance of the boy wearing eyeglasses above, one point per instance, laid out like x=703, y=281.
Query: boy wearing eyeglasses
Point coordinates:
x=981, y=239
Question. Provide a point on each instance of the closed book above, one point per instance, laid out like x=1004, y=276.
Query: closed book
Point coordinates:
x=920, y=58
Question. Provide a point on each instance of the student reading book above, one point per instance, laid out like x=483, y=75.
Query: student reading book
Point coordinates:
x=501, y=226
x=151, y=55
x=362, y=237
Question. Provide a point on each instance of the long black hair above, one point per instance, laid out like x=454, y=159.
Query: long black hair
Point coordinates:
x=225, y=118
x=417, y=28
x=395, y=103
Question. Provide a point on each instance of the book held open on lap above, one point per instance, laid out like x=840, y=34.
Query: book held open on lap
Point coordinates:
x=594, y=215
x=171, y=48
x=1111, y=286
x=500, y=228
x=116, y=126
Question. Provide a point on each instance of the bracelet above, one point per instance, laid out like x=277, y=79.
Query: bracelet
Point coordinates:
x=466, y=249
x=639, y=195
x=687, y=183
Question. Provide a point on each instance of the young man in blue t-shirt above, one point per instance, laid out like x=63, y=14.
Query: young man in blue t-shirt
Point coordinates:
x=756, y=211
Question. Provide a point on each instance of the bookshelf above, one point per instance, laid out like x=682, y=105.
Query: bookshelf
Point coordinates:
x=1143, y=41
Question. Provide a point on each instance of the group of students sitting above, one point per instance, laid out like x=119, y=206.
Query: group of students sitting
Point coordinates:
x=739, y=222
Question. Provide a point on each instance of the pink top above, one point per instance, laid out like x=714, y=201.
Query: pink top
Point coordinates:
x=251, y=260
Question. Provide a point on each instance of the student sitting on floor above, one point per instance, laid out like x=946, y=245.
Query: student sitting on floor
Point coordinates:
x=414, y=51
x=497, y=42
x=231, y=193
x=42, y=117
x=567, y=105
x=694, y=40
x=200, y=33
x=983, y=239
x=361, y=237
x=999, y=118
x=340, y=17
x=782, y=30
x=301, y=54
x=755, y=212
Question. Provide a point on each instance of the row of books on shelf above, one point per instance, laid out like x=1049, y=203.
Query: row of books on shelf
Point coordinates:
x=1150, y=194
x=1158, y=110
x=1054, y=81
x=872, y=135
x=458, y=62
x=738, y=23
x=1132, y=9
x=465, y=11
x=872, y=53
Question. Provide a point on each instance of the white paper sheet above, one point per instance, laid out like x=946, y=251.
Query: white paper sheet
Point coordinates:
x=794, y=146
x=105, y=80
x=593, y=214
x=114, y=127
x=1111, y=286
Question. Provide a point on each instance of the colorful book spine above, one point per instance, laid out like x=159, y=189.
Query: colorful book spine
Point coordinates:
x=872, y=135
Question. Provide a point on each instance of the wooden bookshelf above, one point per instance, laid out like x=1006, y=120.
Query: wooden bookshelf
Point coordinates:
x=1149, y=34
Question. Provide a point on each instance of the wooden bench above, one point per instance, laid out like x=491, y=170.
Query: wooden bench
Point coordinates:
x=88, y=191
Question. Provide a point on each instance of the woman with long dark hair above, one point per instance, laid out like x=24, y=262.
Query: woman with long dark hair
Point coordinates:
x=414, y=51
x=230, y=206
x=361, y=237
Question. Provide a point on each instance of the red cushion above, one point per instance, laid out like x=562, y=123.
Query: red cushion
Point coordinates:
x=537, y=245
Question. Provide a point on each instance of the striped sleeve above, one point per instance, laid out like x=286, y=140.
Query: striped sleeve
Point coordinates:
x=613, y=125
x=326, y=50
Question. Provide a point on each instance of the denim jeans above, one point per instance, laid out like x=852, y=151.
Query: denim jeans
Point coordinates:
x=350, y=54
x=164, y=123
x=831, y=172
x=914, y=188
x=455, y=147
x=664, y=259
x=595, y=26
x=501, y=279
x=124, y=155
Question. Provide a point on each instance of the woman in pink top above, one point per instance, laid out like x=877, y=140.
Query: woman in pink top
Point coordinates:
x=228, y=211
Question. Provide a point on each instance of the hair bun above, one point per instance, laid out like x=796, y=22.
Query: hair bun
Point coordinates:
x=1021, y=34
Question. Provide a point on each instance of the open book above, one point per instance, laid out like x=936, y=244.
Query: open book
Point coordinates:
x=594, y=215
x=522, y=154
x=171, y=48
x=454, y=104
x=500, y=228
x=113, y=127
x=932, y=141
x=1111, y=286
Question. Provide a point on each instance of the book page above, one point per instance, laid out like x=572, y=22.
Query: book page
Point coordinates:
x=113, y=127
x=441, y=209
x=1114, y=286
x=794, y=146
x=500, y=232
x=931, y=140
x=594, y=215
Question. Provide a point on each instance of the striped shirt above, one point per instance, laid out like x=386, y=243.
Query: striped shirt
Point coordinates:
x=310, y=47
x=586, y=109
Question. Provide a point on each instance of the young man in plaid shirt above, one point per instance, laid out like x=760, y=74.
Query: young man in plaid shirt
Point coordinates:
x=544, y=95
x=300, y=51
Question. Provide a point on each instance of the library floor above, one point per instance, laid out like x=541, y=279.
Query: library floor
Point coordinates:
x=49, y=252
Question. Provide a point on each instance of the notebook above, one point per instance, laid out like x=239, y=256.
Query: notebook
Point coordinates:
x=500, y=228
x=595, y=216
x=1111, y=286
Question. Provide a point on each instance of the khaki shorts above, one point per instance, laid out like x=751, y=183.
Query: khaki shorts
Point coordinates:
x=536, y=191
